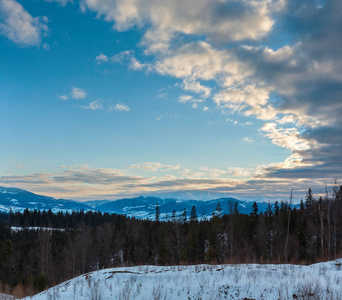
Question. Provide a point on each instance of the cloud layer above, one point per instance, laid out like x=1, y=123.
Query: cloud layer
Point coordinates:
x=277, y=61
x=84, y=182
x=293, y=87
x=19, y=26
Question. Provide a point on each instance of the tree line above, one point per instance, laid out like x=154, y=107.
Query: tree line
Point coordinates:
x=32, y=260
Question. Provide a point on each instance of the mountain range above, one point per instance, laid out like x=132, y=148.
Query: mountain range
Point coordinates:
x=139, y=207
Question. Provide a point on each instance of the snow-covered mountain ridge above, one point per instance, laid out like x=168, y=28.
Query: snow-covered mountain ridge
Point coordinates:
x=140, y=207
x=18, y=199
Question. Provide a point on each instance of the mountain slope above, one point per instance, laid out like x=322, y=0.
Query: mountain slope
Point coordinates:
x=144, y=207
x=18, y=199
x=139, y=207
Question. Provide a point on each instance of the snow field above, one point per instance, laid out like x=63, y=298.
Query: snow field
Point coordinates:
x=319, y=281
x=6, y=297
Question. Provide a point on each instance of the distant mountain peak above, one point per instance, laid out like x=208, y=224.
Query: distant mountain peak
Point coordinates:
x=142, y=207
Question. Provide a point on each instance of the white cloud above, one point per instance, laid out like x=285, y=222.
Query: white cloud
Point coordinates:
x=240, y=172
x=61, y=2
x=197, y=60
x=162, y=95
x=78, y=93
x=162, y=117
x=122, y=56
x=187, y=173
x=213, y=173
x=287, y=119
x=94, y=105
x=137, y=65
x=248, y=140
x=203, y=173
x=189, y=99
x=250, y=99
x=285, y=137
x=185, y=98
x=233, y=121
x=219, y=20
x=167, y=116
x=120, y=107
x=157, y=41
x=126, y=56
x=196, y=87
x=63, y=97
x=153, y=166
x=19, y=26
x=101, y=58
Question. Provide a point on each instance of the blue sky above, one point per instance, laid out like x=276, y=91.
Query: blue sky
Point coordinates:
x=109, y=98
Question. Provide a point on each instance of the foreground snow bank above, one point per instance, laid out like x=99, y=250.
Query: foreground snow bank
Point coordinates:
x=6, y=297
x=251, y=281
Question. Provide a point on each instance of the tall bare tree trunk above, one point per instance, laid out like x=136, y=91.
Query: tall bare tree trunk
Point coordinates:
x=71, y=254
x=231, y=219
x=329, y=229
x=320, y=214
x=335, y=193
x=288, y=229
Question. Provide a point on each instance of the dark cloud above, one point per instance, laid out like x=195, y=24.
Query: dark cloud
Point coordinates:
x=36, y=178
x=312, y=75
x=184, y=182
x=97, y=176
x=306, y=78
x=325, y=135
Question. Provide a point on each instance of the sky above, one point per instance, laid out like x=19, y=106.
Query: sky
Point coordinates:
x=106, y=99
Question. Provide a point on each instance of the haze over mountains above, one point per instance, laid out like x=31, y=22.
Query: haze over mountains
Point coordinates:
x=140, y=207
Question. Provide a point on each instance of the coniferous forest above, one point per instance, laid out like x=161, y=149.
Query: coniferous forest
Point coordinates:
x=64, y=245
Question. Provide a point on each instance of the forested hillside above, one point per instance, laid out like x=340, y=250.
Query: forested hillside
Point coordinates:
x=32, y=259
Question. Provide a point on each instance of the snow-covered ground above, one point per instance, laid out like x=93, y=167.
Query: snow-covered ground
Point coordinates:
x=6, y=297
x=251, y=281
x=16, y=229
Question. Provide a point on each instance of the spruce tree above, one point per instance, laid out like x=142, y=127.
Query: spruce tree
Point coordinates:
x=255, y=209
x=173, y=218
x=309, y=198
x=157, y=212
x=218, y=211
x=193, y=214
